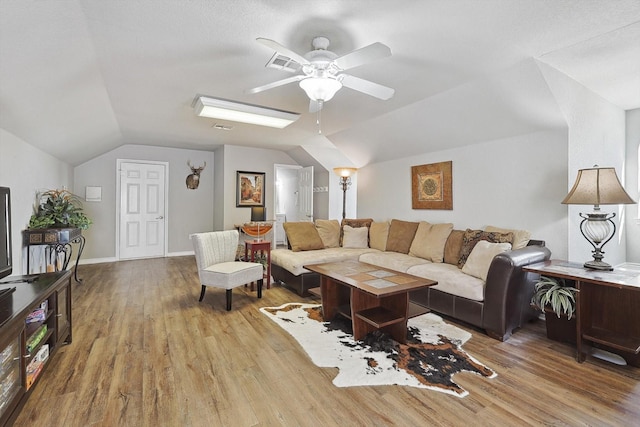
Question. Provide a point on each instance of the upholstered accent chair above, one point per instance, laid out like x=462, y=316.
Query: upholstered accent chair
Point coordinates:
x=215, y=257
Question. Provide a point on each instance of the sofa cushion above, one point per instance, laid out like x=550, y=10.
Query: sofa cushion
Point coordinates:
x=520, y=237
x=303, y=236
x=357, y=237
x=401, y=235
x=393, y=260
x=453, y=246
x=429, y=241
x=378, y=233
x=471, y=237
x=481, y=257
x=294, y=261
x=354, y=222
x=451, y=280
x=329, y=231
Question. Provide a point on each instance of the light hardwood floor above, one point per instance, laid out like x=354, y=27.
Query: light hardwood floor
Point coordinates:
x=145, y=352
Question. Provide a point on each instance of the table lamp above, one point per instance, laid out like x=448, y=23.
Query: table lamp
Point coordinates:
x=597, y=186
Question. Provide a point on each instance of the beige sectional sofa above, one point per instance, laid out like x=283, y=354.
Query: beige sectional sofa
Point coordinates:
x=479, y=272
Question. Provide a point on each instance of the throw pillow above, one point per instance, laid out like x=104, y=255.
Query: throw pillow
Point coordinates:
x=453, y=247
x=329, y=231
x=429, y=241
x=520, y=237
x=357, y=222
x=378, y=233
x=471, y=237
x=481, y=256
x=302, y=236
x=357, y=237
x=401, y=235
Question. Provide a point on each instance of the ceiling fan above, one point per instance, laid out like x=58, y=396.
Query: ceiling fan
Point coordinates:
x=322, y=70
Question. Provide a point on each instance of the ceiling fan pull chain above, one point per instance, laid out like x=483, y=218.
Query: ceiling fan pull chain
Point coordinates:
x=319, y=116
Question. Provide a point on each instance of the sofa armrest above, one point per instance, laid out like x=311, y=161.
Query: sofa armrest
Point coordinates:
x=508, y=290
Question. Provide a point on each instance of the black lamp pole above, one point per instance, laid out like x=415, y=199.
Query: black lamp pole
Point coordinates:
x=345, y=182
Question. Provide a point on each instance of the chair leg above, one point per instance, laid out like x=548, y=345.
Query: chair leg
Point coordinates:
x=228, y=299
x=260, y=288
x=204, y=288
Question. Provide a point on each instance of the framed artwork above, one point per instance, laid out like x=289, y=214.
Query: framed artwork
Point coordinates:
x=249, y=189
x=431, y=186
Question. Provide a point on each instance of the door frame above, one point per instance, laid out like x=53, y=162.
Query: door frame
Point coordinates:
x=166, y=200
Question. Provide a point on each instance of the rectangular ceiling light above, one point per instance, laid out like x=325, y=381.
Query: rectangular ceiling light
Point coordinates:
x=245, y=113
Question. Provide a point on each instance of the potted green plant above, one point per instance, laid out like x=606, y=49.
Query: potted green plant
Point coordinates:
x=558, y=301
x=58, y=209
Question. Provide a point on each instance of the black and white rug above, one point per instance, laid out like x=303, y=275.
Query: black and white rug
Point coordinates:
x=432, y=355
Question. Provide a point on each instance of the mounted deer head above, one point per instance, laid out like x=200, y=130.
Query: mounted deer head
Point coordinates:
x=193, y=180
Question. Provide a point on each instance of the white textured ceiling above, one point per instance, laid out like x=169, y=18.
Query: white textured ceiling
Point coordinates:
x=79, y=78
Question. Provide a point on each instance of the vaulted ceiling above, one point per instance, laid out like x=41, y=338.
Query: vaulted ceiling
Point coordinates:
x=79, y=78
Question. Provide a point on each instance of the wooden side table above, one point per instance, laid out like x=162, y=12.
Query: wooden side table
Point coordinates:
x=606, y=306
x=262, y=246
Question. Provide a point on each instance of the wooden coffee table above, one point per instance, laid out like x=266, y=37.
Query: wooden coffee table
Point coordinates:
x=374, y=298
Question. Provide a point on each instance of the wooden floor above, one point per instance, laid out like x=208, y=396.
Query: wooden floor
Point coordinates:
x=145, y=352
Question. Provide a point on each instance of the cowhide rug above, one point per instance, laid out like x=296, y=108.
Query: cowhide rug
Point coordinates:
x=432, y=355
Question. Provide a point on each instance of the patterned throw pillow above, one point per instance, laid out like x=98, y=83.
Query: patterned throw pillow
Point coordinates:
x=471, y=237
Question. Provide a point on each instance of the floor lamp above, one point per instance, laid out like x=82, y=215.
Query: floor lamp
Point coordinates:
x=345, y=182
x=597, y=186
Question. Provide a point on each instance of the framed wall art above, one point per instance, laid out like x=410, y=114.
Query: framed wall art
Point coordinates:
x=249, y=189
x=431, y=186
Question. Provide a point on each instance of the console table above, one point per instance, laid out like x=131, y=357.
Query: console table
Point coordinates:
x=607, y=302
x=59, y=241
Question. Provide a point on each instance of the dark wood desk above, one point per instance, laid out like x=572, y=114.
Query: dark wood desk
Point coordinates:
x=607, y=306
x=374, y=298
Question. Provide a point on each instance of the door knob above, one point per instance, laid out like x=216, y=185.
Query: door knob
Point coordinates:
x=160, y=217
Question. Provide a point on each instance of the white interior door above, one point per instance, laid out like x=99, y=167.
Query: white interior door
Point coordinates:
x=142, y=210
x=305, y=194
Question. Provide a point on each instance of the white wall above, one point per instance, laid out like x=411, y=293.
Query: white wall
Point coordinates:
x=189, y=211
x=27, y=170
x=238, y=158
x=596, y=136
x=515, y=182
x=632, y=223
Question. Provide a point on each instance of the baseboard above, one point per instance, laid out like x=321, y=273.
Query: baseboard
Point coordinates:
x=96, y=260
x=184, y=253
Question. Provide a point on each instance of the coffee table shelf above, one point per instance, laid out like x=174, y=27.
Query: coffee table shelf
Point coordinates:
x=380, y=317
x=345, y=310
x=416, y=310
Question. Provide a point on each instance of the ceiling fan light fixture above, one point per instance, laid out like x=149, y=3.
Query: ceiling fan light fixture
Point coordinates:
x=320, y=88
x=222, y=109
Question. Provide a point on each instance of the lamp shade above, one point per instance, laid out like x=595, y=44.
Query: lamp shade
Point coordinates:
x=344, y=171
x=258, y=213
x=320, y=88
x=597, y=186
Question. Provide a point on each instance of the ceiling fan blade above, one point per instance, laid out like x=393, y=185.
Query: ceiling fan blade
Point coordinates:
x=366, y=86
x=363, y=55
x=283, y=50
x=276, y=84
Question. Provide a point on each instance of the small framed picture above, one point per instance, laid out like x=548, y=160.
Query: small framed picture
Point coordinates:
x=249, y=189
x=431, y=186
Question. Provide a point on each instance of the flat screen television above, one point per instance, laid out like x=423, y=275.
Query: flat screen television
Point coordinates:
x=6, y=264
